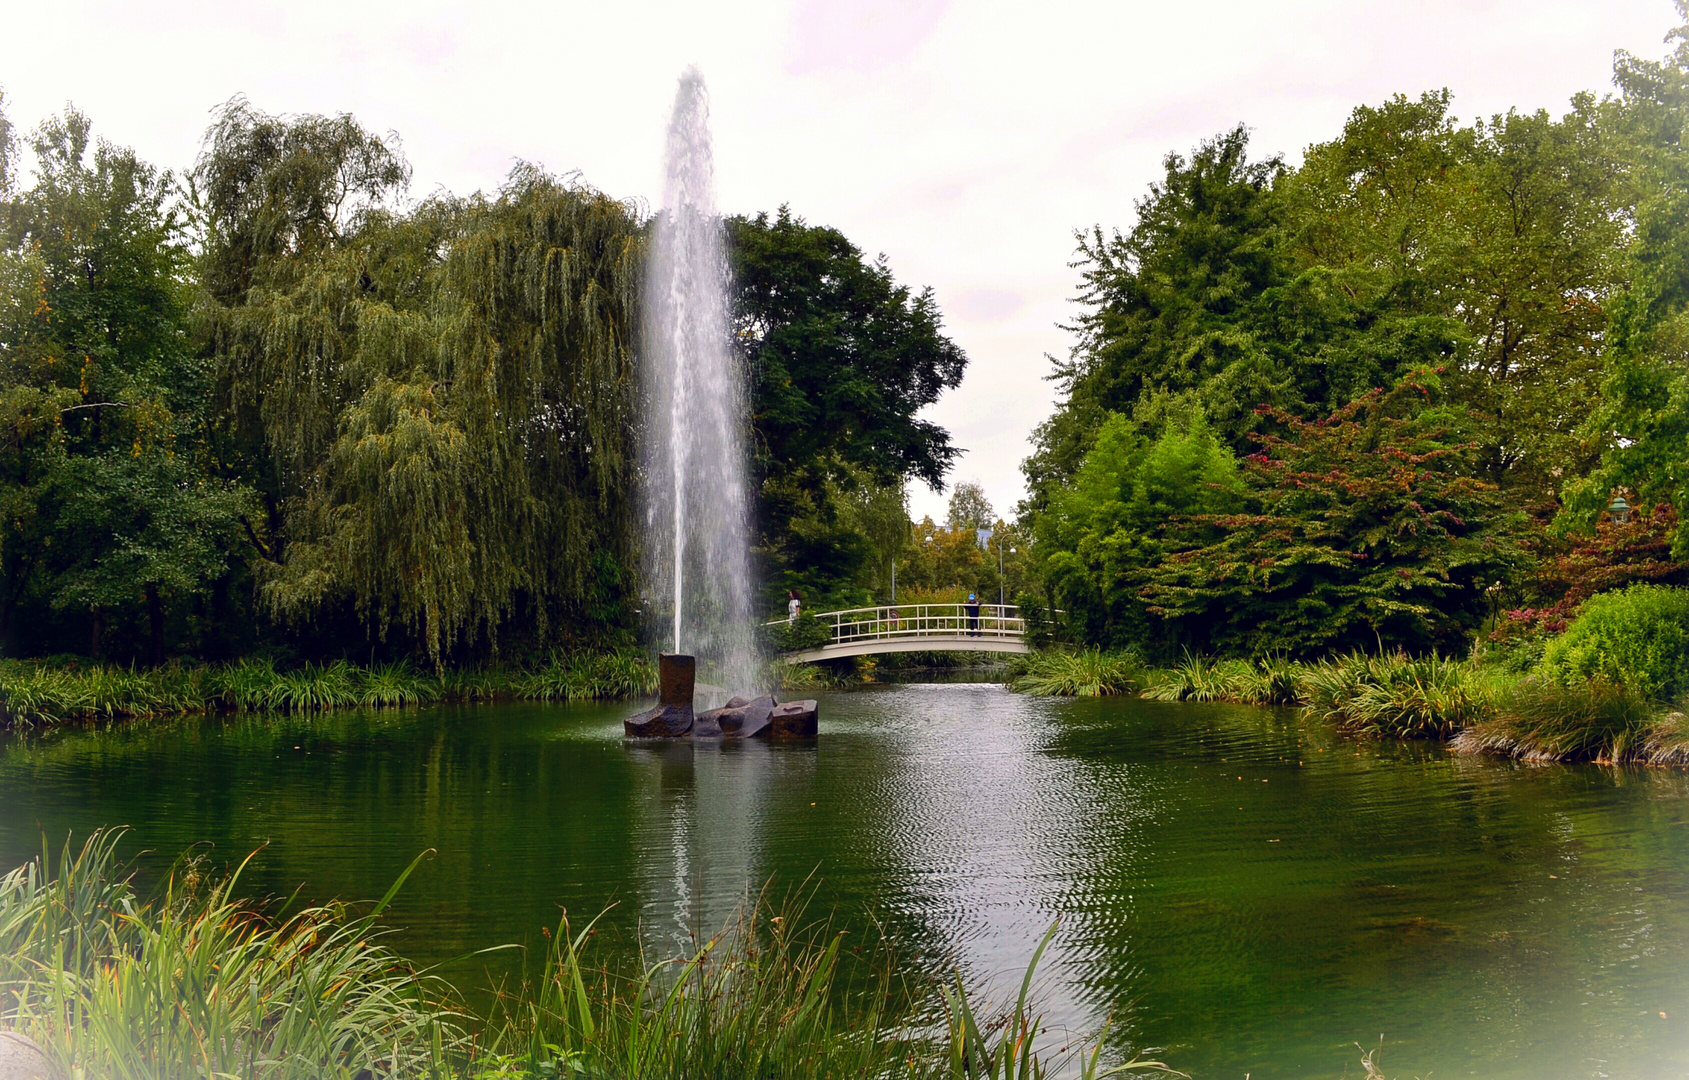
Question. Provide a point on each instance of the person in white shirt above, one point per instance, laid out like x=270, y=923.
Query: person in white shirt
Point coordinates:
x=794, y=604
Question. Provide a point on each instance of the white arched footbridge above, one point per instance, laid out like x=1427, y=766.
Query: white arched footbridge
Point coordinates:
x=896, y=628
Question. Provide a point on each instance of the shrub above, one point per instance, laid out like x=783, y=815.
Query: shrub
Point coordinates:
x=807, y=632
x=1638, y=637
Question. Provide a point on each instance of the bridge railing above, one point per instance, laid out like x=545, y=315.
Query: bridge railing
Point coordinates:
x=995, y=622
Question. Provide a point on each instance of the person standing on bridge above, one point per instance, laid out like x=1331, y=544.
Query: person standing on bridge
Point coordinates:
x=794, y=605
x=972, y=608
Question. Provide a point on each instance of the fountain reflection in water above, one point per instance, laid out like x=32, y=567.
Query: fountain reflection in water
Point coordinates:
x=697, y=526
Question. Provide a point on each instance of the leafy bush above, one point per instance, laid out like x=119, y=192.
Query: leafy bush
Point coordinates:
x=1638, y=636
x=1368, y=526
x=807, y=632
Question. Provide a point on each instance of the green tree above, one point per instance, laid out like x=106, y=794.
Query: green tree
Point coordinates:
x=440, y=401
x=1176, y=304
x=1102, y=534
x=110, y=504
x=1489, y=250
x=842, y=359
x=969, y=508
x=1641, y=424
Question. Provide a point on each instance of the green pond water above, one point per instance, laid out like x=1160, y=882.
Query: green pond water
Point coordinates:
x=1238, y=887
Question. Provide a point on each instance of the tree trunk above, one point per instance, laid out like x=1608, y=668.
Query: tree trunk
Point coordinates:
x=155, y=620
x=97, y=633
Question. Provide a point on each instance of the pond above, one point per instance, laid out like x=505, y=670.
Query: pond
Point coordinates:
x=1239, y=887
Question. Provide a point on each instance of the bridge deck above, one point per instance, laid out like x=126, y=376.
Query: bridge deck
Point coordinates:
x=898, y=628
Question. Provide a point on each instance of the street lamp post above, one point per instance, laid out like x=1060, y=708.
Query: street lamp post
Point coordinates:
x=1000, y=600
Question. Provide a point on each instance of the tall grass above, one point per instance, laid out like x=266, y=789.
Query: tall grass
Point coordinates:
x=1396, y=695
x=1085, y=673
x=1536, y=719
x=761, y=999
x=585, y=676
x=199, y=983
x=34, y=695
x=1269, y=681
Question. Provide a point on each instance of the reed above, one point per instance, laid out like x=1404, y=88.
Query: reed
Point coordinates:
x=1084, y=673
x=1537, y=719
x=1396, y=695
x=395, y=684
x=1273, y=680
x=35, y=695
x=1199, y=678
x=201, y=983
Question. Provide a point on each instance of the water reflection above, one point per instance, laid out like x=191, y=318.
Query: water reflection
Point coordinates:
x=1237, y=886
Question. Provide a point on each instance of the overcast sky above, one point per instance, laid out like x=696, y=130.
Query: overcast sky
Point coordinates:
x=965, y=139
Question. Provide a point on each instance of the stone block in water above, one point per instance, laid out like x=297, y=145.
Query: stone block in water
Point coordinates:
x=793, y=720
x=677, y=676
x=21, y=1059
x=662, y=722
x=738, y=719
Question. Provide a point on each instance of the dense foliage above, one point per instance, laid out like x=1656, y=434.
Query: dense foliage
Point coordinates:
x=843, y=360
x=274, y=404
x=110, y=501
x=1638, y=637
x=1527, y=273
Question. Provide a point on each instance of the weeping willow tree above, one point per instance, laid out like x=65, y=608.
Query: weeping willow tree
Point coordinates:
x=440, y=399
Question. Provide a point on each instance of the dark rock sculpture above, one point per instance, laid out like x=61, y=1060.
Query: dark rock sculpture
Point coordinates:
x=740, y=718
x=677, y=673
x=793, y=720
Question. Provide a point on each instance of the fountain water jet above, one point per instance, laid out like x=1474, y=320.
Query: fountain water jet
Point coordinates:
x=698, y=528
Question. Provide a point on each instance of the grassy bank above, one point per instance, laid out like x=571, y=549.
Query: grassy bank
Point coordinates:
x=34, y=694
x=200, y=983
x=1481, y=709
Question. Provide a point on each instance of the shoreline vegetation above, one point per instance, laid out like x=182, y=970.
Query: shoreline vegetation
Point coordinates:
x=38, y=694
x=1477, y=708
x=43, y=693
x=199, y=982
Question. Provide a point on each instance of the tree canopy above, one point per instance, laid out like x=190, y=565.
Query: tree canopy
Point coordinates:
x=277, y=403
x=842, y=359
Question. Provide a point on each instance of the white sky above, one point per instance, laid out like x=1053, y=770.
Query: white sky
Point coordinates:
x=965, y=139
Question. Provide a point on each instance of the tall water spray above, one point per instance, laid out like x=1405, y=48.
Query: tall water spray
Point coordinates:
x=697, y=553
